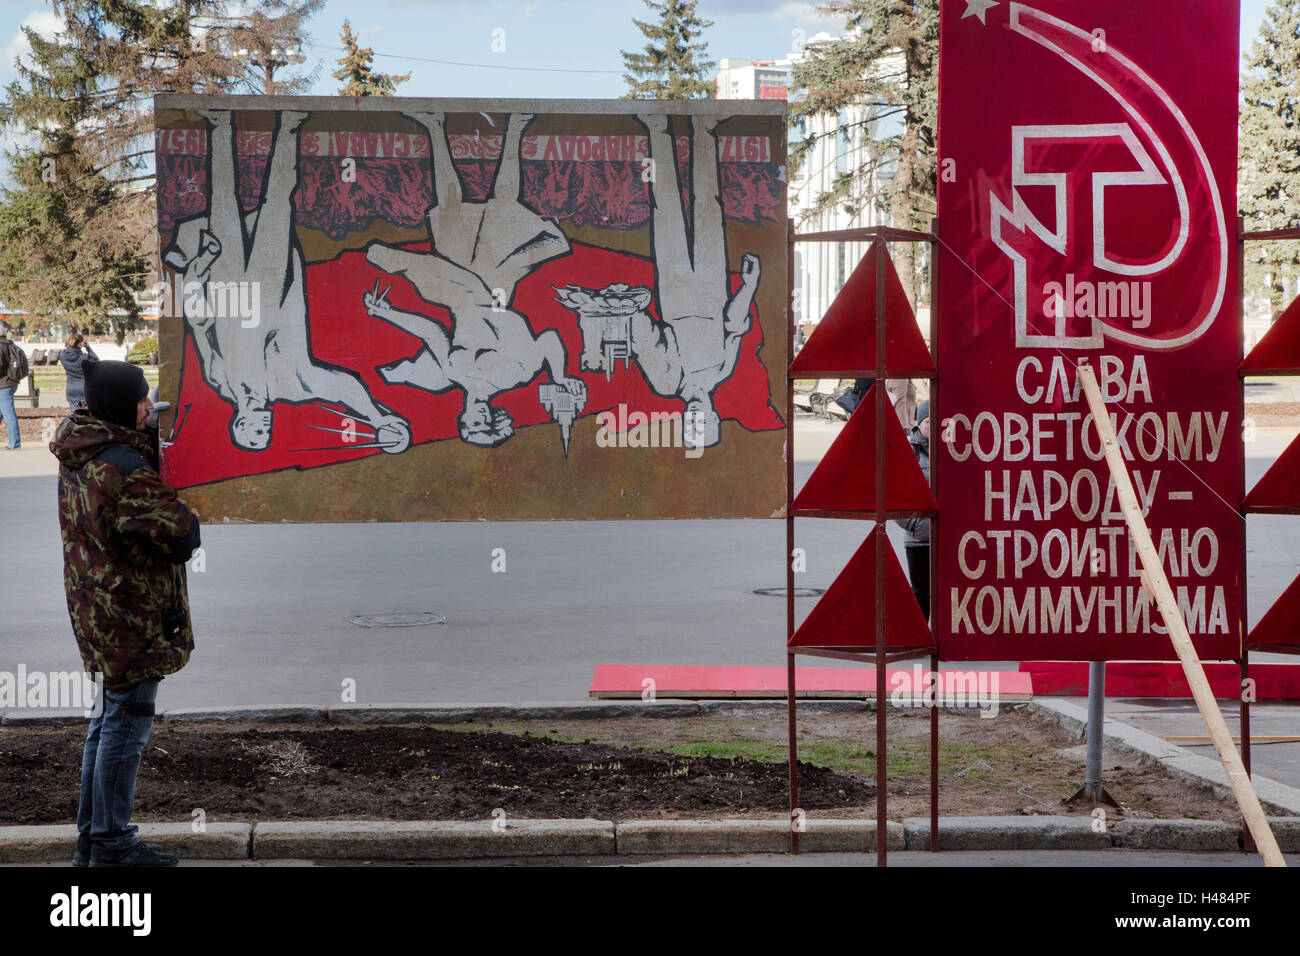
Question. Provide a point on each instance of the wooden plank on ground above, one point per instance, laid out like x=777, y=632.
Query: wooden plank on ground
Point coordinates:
x=1158, y=585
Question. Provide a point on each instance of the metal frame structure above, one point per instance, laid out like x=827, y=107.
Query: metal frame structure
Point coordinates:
x=1244, y=664
x=880, y=657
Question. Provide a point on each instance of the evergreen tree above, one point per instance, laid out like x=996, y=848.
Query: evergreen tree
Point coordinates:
x=77, y=224
x=886, y=65
x=669, y=68
x=1269, y=156
x=354, y=68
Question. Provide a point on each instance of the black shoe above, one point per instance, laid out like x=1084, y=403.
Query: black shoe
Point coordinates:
x=81, y=856
x=141, y=854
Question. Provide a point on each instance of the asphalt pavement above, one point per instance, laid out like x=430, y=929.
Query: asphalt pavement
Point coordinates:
x=273, y=606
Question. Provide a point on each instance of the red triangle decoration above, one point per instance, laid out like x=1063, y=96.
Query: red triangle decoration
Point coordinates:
x=1279, y=629
x=843, y=344
x=1278, y=352
x=845, y=616
x=845, y=479
x=1278, y=492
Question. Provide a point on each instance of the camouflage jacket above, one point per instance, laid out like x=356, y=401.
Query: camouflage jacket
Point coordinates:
x=126, y=537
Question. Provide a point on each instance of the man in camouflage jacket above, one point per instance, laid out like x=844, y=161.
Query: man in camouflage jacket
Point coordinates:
x=126, y=538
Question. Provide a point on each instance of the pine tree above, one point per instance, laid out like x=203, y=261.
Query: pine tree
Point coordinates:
x=77, y=224
x=669, y=68
x=354, y=67
x=1269, y=156
x=887, y=64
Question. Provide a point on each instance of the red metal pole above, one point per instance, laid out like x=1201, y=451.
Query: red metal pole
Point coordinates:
x=789, y=542
x=882, y=542
x=1247, y=842
x=1267, y=233
x=888, y=233
x=934, y=562
x=934, y=756
x=794, y=750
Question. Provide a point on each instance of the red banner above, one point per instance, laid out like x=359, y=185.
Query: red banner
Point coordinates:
x=1087, y=167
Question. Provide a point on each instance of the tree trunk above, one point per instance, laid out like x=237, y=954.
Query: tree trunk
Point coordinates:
x=1276, y=295
x=900, y=213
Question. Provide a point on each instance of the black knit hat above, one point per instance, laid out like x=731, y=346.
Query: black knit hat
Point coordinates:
x=114, y=390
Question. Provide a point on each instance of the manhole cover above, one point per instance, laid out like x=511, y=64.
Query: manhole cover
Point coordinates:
x=399, y=619
x=798, y=592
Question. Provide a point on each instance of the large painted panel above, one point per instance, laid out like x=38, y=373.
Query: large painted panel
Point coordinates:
x=453, y=310
x=1088, y=157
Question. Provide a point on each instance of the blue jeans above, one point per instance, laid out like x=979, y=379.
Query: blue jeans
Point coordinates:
x=110, y=763
x=10, y=416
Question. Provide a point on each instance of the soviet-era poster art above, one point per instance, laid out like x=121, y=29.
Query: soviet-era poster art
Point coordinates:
x=454, y=310
x=1087, y=196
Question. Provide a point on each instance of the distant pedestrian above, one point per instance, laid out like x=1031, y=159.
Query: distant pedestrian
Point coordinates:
x=126, y=538
x=11, y=373
x=71, y=358
x=902, y=395
x=852, y=396
x=916, y=542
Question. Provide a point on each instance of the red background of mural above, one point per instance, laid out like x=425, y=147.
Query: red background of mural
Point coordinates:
x=992, y=79
x=343, y=334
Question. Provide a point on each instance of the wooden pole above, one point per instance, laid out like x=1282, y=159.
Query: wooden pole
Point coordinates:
x=1157, y=585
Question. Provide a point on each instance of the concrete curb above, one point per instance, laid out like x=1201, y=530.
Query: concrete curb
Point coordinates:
x=414, y=840
x=443, y=840
x=55, y=844
x=1276, y=797
x=1192, y=835
x=1287, y=832
x=728, y=836
x=1007, y=833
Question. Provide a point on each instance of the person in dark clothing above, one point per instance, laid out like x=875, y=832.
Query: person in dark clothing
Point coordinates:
x=852, y=396
x=916, y=542
x=126, y=538
x=8, y=384
x=72, y=358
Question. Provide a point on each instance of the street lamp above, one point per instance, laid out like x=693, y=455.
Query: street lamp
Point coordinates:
x=270, y=59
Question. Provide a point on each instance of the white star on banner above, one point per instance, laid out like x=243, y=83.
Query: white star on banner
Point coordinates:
x=977, y=8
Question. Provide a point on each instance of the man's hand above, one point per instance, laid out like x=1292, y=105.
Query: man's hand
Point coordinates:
x=376, y=302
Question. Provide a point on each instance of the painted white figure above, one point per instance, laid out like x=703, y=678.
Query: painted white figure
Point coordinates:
x=695, y=346
x=261, y=355
x=480, y=251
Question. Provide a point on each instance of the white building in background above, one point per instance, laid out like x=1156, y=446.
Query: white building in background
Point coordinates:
x=753, y=79
x=820, y=268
